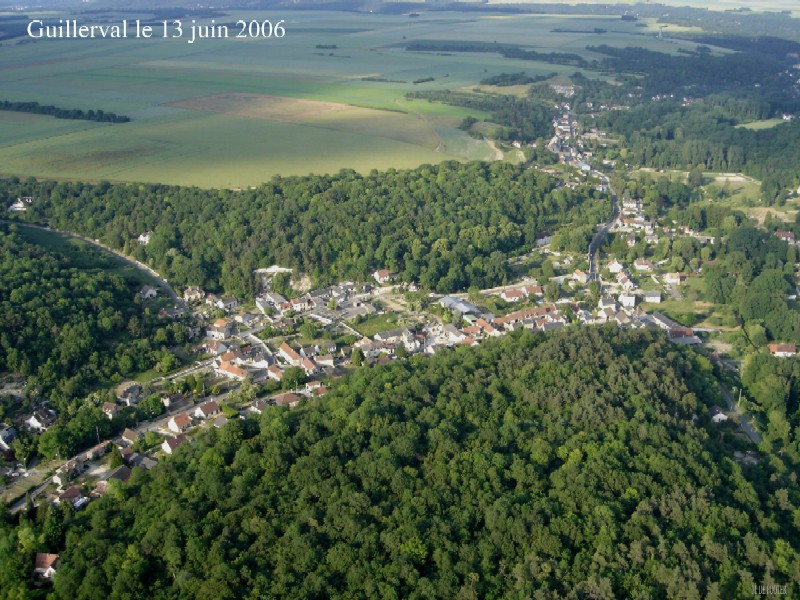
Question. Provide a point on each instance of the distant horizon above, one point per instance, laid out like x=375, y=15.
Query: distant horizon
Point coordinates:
x=720, y=5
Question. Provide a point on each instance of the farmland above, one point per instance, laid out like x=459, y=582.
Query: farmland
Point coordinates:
x=233, y=113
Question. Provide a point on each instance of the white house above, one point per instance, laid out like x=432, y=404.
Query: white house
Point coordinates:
x=782, y=350
x=652, y=296
x=717, y=416
x=382, y=276
x=179, y=423
x=615, y=267
x=627, y=300
x=148, y=292
x=171, y=444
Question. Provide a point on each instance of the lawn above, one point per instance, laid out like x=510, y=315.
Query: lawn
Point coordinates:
x=765, y=124
x=373, y=325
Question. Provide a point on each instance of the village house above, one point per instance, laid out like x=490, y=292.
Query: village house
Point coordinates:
x=179, y=423
x=227, y=302
x=531, y=290
x=193, y=294
x=274, y=372
x=95, y=452
x=642, y=264
x=215, y=347
x=130, y=436
x=288, y=399
x=383, y=276
x=171, y=444
x=615, y=267
x=652, y=296
x=207, y=410
x=782, y=350
x=128, y=393
x=7, y=435
x=45, y=565
x=626, y=282
x=627, y=300
x=211, y=300
x=18, y=206
x=512, y=296
x=68, y=471
x=309, y=366
x=228, y=369
x=220, y=330
x=451, y=335
x=326, y=360
x=289, y=355
x=245, y=318
x=786, y=236
x=72, y=495
x=580, y=276
x=110, y=410
x=40, y=420
x=148, y=292
x=717, y=415
x=674, y=278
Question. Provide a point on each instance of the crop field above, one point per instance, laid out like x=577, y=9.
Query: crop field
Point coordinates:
x=233, y=112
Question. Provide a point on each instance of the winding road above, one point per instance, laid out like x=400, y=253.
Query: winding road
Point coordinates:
x=131, y=261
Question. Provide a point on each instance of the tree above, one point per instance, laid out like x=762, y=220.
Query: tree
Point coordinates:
x=115, y=458
x=292, y=378
x=357, y=358
x=552, y=291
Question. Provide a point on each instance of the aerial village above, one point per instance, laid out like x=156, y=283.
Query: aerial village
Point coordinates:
x=280, y=350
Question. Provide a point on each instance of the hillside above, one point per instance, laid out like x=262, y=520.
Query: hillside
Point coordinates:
x=534, y=466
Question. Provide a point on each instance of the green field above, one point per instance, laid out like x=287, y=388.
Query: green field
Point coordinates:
x=180, y=133
x=765, y=124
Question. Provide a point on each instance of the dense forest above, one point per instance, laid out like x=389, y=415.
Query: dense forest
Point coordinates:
x=64, y=113
x=757, y=72
x=667, y=135
x=509, y=79
x=447, y=227
x=575, y=465
x=519, y=118
x=506, y=50
x=71, y=327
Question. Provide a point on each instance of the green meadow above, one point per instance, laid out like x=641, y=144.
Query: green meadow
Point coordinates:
x=354, y=114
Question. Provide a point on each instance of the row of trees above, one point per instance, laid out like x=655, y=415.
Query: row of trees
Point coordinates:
x=564, y=465
x=64, y=113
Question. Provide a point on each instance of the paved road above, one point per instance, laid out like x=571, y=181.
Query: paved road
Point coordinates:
x=601, y=234
x=748, y=429
x=133, y=262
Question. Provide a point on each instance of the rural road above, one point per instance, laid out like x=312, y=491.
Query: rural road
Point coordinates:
x=134, y=263
x=601, y=234
x=748, y=429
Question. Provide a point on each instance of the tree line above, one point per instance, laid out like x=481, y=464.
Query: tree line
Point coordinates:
x=64, y=113
x=447, y=227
